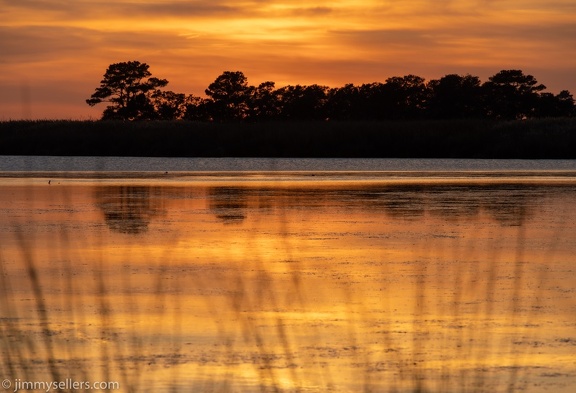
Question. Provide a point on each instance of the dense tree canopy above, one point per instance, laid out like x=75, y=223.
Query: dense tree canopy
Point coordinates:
x=230, y=96
x=512, y=94
x=455, y=96
x=134, y=94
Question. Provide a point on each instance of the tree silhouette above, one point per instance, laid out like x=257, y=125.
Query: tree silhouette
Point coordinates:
x=230, y=96
x=455, y=96
x=551, y=105
x=169, y=105
x=343, y=103
x=512, y=95
x=128, y=87
x=404, y=97
x=265, y=102
x=304, y=102
x=197, y=109
x=565, y=104
x=371, y=99
x=398, y=98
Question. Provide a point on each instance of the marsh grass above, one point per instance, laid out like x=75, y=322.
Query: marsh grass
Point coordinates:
x=270, y=330
x=535, y=138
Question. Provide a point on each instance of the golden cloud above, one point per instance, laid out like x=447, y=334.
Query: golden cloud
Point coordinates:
x=190, y=42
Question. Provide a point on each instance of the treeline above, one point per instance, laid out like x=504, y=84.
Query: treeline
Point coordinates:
x=133, y=94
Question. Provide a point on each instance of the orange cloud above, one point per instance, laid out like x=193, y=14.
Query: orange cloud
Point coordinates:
x=46, y=42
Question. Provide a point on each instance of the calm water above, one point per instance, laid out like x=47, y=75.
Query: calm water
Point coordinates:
x=146, y=164
x=311, y=276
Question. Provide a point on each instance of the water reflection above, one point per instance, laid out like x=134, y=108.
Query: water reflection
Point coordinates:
x=129, y=209
x=360, y=286
x=228, y=203
x=509, y=205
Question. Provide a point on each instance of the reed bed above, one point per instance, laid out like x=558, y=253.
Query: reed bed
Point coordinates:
x=472, y=138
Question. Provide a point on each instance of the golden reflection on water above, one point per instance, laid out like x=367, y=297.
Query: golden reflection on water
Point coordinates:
x=290, y=286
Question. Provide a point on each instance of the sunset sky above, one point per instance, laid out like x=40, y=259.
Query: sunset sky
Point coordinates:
x=53, y=53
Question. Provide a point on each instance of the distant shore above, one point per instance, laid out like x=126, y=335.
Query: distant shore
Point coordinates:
x=553, y=138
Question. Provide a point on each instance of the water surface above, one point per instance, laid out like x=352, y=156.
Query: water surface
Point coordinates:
x=292, y=281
